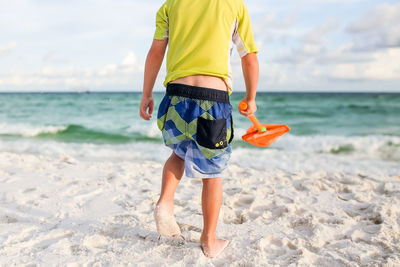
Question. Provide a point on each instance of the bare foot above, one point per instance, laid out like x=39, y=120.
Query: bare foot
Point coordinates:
x=165, y=221
x=213, y=249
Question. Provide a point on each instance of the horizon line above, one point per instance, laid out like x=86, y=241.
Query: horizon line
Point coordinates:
x=235, y=92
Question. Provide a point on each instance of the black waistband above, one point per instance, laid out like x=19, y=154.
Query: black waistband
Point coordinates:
x=177, y=89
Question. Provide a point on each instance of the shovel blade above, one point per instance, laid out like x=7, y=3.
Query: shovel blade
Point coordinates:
x=264, y=139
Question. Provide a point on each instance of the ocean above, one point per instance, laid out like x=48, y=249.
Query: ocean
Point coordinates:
x=332, y=126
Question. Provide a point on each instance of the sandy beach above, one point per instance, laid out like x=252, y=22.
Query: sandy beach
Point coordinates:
x=73, y=210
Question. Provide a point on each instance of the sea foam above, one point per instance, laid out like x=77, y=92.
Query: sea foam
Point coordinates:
x=29, y=130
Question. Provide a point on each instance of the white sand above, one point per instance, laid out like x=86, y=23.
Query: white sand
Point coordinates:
x=70, y=211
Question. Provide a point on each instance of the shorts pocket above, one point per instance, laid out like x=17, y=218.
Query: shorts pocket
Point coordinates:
x=211, y=133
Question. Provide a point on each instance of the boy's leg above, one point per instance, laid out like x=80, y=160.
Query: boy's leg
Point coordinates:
x=211, y=203
x=164, y=211
x=172, y=174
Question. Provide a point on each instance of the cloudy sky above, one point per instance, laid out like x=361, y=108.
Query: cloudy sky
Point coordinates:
x=101, y=45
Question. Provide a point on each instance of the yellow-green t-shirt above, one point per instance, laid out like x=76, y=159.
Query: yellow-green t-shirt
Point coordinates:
x=201, y=34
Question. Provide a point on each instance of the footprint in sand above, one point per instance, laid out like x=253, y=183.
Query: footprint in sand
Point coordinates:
x=258, y=211
x=276, y=210
x=365, y=212
x=188, y=227
x=111, y=177
x=347, y=181
x=28, y=190
x=233, y=191
x=282, y=248
x=230, y=216
x=182, y=203
x=239, y=213
x=372, y=229
x=95, y=242
x=375, y=218
x=274, y=247
x=8, y=219
x=245, y=201
x=333, y=220
x=345, y=194
x=303, y=226
x=388, y=188
x=77, y=250
x=299, y=186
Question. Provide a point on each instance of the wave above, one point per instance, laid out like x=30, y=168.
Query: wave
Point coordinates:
x=385, y=147
x=78, y=133
x=73, y=133
x=377, y=146
x=28, y=130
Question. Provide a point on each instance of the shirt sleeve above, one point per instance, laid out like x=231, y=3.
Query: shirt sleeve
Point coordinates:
x=243, y=35
x=161, y=23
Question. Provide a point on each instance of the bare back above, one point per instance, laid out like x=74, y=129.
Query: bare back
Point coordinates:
x=203, y=81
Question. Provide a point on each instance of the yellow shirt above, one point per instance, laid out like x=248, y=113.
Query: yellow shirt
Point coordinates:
x=201, y=34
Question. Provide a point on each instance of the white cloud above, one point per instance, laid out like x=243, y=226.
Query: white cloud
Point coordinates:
x=128, y=65
x=316, y=40
x=112, y=74
x=53, y=57
x=384, y=66
x=5, y=49
x=318, y=34
x=379, y=28
x=311, y=45
x=373, y=55
x=130, y=59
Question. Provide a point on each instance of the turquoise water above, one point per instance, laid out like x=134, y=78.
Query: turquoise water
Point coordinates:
x=112, y=117
x=345, y=121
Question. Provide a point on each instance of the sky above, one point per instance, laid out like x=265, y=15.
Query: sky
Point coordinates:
x=101, y=45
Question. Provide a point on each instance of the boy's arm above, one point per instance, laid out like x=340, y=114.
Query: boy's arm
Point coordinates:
x=152, y=67
x=250, y=69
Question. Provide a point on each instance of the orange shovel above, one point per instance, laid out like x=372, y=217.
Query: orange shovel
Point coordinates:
x=262, y=135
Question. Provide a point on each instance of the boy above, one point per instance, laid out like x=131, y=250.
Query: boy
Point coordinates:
x=195, y=114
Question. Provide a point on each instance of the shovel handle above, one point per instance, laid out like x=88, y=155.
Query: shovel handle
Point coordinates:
x=252, y=117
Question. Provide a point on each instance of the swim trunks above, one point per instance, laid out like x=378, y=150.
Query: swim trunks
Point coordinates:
x=196, y=123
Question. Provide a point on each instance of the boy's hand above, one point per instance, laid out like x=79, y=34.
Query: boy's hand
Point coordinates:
x=146, y=104
x=251, y=108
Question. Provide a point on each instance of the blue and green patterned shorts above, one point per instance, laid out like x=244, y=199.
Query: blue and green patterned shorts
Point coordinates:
x=196, y=123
